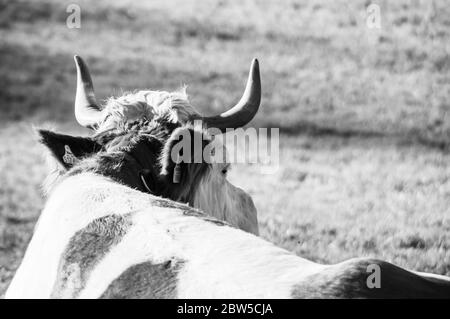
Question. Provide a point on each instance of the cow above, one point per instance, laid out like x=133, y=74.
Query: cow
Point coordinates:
x=126, y=220
x=157, y=119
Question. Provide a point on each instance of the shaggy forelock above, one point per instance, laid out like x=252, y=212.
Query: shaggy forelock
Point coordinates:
x=155, y=113
x=174, y=106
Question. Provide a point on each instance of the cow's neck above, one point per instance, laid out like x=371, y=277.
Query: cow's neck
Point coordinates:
x=126, y=167
x=138, y=167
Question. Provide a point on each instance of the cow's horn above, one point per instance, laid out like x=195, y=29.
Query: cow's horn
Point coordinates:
x=244, y=111
x=87, y=111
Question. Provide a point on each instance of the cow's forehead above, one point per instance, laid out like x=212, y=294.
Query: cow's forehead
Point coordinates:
x=174, y=106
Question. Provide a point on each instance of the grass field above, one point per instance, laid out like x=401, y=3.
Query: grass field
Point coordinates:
x=364, y=113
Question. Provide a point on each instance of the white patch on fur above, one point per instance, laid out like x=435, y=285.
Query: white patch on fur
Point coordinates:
x=222, y=200
x=133, y=106
x=146, y=240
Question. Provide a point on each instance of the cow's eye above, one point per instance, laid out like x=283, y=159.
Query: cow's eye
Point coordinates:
x=225, y=170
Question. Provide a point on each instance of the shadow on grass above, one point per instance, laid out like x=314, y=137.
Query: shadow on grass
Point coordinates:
x=314, y=129
x=414, y=137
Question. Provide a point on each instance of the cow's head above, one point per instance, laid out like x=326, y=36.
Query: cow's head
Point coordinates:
x=137, y=139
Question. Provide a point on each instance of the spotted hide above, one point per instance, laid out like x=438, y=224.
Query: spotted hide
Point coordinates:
x=124, y=219
x=155, y=248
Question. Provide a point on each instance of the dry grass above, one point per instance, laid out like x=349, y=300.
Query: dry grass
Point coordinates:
x=365, y=114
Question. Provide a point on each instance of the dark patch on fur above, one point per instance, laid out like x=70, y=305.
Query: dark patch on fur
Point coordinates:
x=85, y=249
x=349, y=280
x=146, y=281
x=126, y=164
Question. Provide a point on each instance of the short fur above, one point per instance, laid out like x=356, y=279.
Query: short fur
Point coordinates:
x=145, y=281
x=84, y=250
x=179, y=254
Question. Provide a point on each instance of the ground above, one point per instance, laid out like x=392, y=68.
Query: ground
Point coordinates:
x=363, y=112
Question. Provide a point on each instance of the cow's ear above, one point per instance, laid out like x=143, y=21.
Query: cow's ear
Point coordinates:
x=182, y=162
x=68, y=150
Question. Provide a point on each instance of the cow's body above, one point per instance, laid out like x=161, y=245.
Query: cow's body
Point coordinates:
x=114, y=225
x=92, y=230
x=97, y=238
